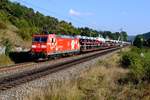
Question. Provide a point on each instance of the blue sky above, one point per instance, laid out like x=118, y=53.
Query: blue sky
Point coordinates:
x=132, y=16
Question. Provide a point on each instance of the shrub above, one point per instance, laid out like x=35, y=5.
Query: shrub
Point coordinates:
x=146, y=55
x=138, y=65
x=139, y=41
x=3, y=16
x=8, y=45
x=130, y=58
x=24, y=34
x=5, y=60
x=137, y=72
x=21, y=23
x=147, y=69
x=148, y=42
x=136, y=50
x=3, y=25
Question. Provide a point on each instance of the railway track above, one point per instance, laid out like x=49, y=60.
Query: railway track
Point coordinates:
x=26, y=64
x=26, y=76
x=15, y=66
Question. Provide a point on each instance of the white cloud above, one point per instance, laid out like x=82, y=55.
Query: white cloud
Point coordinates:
x=77, y=13
x=74, y=13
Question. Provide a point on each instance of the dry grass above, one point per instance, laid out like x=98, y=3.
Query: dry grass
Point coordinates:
x=9, y=31
x=98, y=83
x=3, y=25
x=93, y=84
x=14, y=38
x=4, y=60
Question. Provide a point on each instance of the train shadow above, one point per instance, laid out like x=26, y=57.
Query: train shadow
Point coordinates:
x=20, y=57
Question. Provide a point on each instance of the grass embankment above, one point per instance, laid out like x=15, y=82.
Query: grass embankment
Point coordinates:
x=11, y=32
x=138, y=62
x=96, y=83
x=5, y=60
x=9, y=38
x=102, y=82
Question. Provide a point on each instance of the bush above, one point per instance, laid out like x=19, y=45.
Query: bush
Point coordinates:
x=140, y=72
x=24, y=34
x=2, y=25
x=147, y=56
x=8, y=45
x=139, y=41
x=21, y=23
x=130, y=58
x=148, y=42
x=138, y=65
x=5, y=60
x=147, y=70
x=137, y=72
x=136, y=50
x=3, y=16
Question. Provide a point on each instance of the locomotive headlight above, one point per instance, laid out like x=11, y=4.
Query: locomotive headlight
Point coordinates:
x=43, y=46
x=33, y=46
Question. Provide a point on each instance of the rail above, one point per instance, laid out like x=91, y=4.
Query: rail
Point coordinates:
x=26, y=76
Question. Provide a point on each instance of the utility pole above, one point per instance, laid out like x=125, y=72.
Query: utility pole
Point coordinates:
x=121, y=37
x=121, y=30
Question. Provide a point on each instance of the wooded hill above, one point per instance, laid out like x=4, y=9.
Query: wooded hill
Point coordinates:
x=25, y=22
x=146, y=35
x=142, y=40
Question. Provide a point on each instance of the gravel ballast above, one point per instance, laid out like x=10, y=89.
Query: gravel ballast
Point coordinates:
x=19, y=92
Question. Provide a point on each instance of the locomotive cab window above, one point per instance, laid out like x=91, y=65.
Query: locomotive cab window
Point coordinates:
x=43, y=39
x=52, y=40
x=36, y=39
x=40, y=39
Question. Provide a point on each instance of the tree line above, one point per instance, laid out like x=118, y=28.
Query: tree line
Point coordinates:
x=29, y=22
x=142, y=40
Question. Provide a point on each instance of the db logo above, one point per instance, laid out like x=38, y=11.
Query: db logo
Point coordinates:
x=72, y=44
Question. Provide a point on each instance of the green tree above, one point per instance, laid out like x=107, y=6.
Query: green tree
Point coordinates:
x=139, y=41
x=3, y=16
x=26, y=18
x=66, y=28
x=6, y=42
x=148, y=42
x=21, y=23
x=124, y=35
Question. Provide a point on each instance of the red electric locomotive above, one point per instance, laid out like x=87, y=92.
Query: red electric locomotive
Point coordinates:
x=52, y=45
x=46, y=45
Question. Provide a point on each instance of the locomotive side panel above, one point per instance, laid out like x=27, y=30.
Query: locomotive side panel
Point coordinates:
x=66, y=45
x=51, y=45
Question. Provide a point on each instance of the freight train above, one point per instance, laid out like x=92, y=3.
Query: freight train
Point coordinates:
x=52, y=45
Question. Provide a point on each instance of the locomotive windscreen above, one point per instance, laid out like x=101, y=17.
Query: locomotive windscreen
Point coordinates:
x=39, y=39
